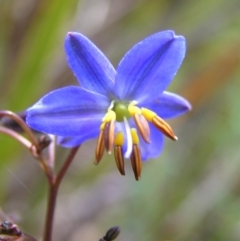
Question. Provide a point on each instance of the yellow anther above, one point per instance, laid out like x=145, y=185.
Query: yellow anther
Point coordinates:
x=134, y=110
x=148, y=114
x=134, y=135
x=102, y=126
x=119, y=139
x=110, y=115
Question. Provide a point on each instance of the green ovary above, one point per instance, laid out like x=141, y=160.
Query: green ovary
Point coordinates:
x=121, y=111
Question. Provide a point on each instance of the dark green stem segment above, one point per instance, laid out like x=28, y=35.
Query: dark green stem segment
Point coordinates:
x=53, y=186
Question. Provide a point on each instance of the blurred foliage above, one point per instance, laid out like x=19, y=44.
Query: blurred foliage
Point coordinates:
x=191, y=192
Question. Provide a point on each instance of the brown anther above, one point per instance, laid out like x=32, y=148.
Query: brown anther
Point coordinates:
x=109, y=135
x=136, y=161
x=142, y=126
x=118, y=154
x=163, y=126
x=99, y=148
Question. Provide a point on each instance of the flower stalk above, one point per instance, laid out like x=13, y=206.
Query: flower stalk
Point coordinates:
x=35, y=147
x=53, y=187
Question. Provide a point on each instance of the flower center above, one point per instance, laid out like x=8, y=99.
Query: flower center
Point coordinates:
x=113, y=138
x=121, y=111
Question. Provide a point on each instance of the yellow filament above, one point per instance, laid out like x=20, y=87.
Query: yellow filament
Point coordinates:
x=102, y=126
x=110, y=115
x=134, y=110
x=119, y=139
x=134, y=135
x=148, y=114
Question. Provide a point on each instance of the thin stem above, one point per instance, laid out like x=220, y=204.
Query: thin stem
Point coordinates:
x=32, y=149
x=22, y=123
x=52, y=198
x=17, y=137
x=54, y=184
x=66, y=165
x=51, y=151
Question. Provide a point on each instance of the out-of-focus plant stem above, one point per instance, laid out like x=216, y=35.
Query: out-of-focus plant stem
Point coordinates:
x=54, y=183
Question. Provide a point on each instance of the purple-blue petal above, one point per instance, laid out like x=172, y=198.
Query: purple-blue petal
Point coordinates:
x=90, y=66
x=73, y=141
x=169, y=105
x=70, y=111
x=153, y=149
x=148, y=68
x=148, y=150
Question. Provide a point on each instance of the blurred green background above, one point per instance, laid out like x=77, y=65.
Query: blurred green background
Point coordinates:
x=191, y=192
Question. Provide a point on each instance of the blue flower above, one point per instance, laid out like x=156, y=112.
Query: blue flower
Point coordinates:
x=124, y=108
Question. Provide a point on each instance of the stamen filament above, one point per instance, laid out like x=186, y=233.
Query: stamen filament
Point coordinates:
x=119, y=139
x=110, y=115
x=134, y=110
x=129, y=138
x=134, y=135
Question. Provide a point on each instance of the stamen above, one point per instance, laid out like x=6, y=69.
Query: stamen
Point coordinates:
x=118, y=154
x=136, y=162
x=148, y=114
x=109, y=135
x=119, y=139
x=140, y=121
x=145, y=126
x=134, y=135
x=100, y=148
x=135, y=157
x=110, y=115
x=142, y=126
x=159, y=123
x=129, y=138
x=134, y=110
